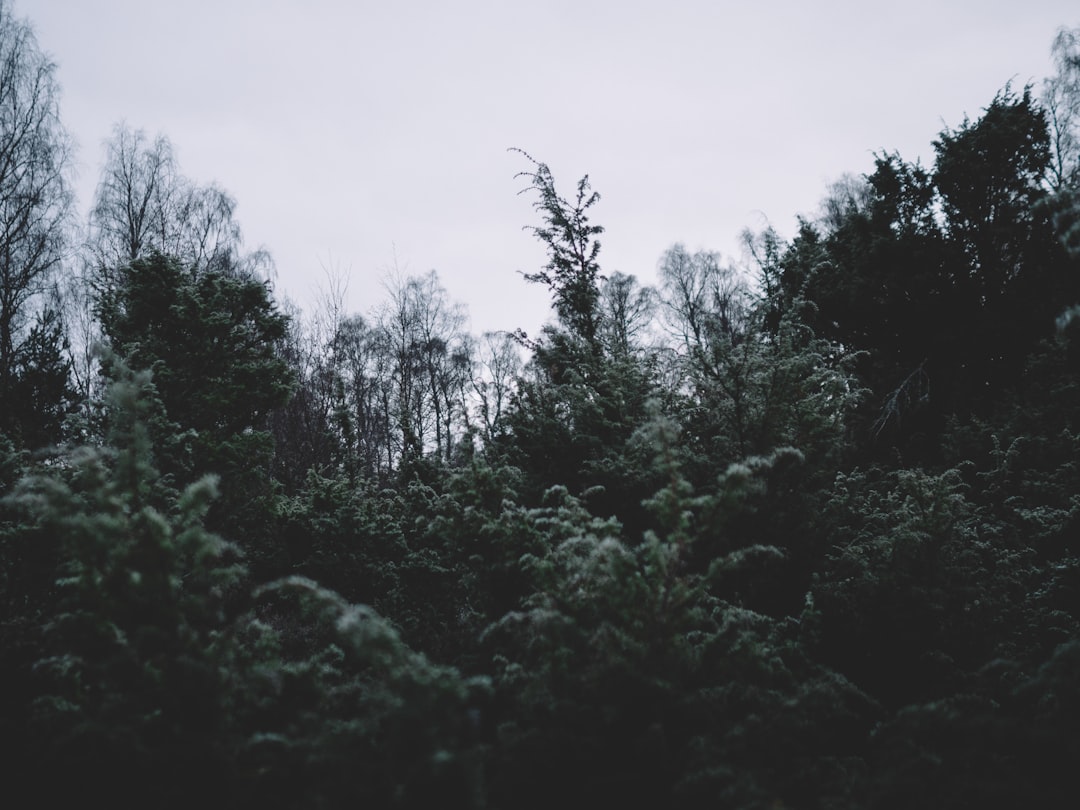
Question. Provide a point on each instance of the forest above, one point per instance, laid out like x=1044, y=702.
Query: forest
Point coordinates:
x=801, y=532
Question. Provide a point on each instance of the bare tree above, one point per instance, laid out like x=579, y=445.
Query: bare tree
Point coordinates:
x=500, y=364
x=132, y=199
x=357, y=369
x=1061, y=100
x=626, y=313
x=425, y=335
x=709, y=310
x=35, y=199
x=143, y=204
x=704, y=301
x=849, y=195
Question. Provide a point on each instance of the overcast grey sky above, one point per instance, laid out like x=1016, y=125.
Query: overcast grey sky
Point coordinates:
x=358, y=134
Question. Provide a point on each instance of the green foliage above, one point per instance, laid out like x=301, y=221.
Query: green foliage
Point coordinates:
x=40, y=396
x=929, y=581
x=573, y=414
x=752, y=379
x=947, y=278
x=805, y=543
x=130, y=691
x=989, y=177
x=26, y=575
x=630, y=672
x=348, y=714
x=572, y=424
x=159, y=680
x=210, y=338
x=572, y=272
x=11, y=464
x=439, y=560
x=345, y=537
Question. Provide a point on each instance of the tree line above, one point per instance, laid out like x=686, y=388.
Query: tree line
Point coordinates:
x=799, y=531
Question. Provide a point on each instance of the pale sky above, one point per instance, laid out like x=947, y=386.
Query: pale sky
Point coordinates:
x=360, y=135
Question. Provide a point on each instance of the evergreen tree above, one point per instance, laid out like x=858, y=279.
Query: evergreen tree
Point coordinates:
x=944, y=277
x=586, y=389
x=572, y=272
x=150, y=674
x=210, y=338
x=130, y=698
x=42, y=395
x=633, y=671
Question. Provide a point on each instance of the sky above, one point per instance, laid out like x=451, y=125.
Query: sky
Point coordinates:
x=366, y=139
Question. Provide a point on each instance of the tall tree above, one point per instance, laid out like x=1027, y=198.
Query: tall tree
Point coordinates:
x=745, y=386
x=431, y=364
x=133, y=196
x=1061, y=99
x=946, y=277
x=358, y=370
x=304, y=439
x=500, y=363
x=210, y=338
x=626, y=313
x=875, y=270
x=586, y=388
x=1011, y=273
x=572, y=272
x=35, y=198
x=989, y=178
x=42, y=396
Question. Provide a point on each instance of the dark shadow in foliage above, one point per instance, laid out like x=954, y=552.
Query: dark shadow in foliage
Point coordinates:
x=947, y=278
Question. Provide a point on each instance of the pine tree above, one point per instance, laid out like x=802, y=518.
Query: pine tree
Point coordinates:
x=132, y=690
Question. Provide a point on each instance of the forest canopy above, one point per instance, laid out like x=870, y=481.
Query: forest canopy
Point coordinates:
x=802, y=531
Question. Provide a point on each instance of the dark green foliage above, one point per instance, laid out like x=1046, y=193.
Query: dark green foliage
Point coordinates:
x=129, y=691
x=632, y=672
x=346, y=714
x=40, y=396
x=208, y=336
x=210, y=339
x=572, y=272
x=913, y=584
x=988, y=175
x=440, y=561
x=1013, y=274
x=571, y=423
x=11, y=464
x=26, y=574
x=805, y=540
x=159, y=679
x=574, y=413
x=345, y=537
x=751, y=379
x=945, y=597
x=947, y=278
